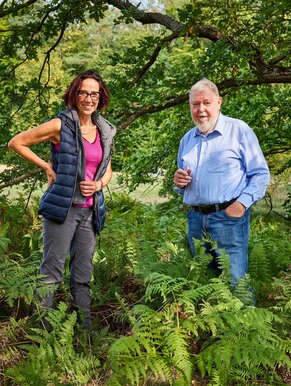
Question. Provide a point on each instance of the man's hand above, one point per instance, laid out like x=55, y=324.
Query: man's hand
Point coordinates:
x=236, y=209
x=182, y=178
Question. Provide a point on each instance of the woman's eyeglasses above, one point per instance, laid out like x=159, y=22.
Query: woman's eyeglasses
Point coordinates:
x=83, y=94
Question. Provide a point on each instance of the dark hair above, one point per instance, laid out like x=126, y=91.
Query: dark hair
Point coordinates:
x=71, y=95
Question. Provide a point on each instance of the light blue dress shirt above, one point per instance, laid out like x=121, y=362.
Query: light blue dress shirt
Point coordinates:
x=226, y=163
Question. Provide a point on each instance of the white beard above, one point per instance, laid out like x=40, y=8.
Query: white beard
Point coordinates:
x=206, y=126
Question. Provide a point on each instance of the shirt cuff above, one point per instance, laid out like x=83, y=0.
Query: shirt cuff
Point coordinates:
x=246, y=200
x=179, y=190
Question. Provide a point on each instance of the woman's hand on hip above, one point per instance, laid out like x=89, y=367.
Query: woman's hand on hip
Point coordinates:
x=51, y=175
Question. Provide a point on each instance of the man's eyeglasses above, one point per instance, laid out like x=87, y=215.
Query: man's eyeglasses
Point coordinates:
x=83, y=94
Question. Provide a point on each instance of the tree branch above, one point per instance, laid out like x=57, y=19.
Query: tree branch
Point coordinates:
x=64, y=26
x=205, y=31
x=208, y=32
x=38, y=29
x=267, y=73
x=281, y=150
x=177, y=100
x=153, y=109
x=154, y=56
x=16, y=8
x=277, y=59
x=20, y=179
x=146, y=17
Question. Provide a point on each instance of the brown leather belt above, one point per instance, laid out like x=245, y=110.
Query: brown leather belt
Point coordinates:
x=207, y=209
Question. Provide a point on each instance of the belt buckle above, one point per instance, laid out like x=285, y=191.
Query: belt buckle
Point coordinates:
x=207, y=209
x=201, y=208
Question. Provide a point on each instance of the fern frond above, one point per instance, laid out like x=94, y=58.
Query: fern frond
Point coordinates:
x=125, y=346
x=160, y=284
x=177, y=342
x=18, y=279
x=54, y=356
x=160, y=368
x=216, y=379
x=202, y=292
x=243, y=291
x=127, y=314
x=259, y=263
x=224, y=265
x=4, y=243
x=244, y=342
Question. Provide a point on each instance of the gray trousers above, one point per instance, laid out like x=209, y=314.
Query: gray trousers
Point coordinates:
x=75, y=237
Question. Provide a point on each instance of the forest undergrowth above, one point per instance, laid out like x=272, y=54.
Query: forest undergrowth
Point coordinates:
x=160, y=316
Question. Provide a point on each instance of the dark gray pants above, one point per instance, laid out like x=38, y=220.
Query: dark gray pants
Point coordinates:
x=75, y=237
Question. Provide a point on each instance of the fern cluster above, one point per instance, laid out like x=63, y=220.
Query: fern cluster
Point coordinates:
x=172, y=318
x=238, y=342
x=243, y=344
x=156, y=348
x=18, y=278
x=21, y=226
x=270, y=251
x=53, y=359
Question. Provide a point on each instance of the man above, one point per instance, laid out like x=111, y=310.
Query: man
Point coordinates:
x=221, y=173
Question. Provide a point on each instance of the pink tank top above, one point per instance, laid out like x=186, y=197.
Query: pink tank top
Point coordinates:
x=93, y=156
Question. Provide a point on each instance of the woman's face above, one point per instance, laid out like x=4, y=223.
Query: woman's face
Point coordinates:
x=88, y=96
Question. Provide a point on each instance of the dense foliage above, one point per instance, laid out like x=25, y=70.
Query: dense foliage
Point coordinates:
x=149, y=54
x=160, y=317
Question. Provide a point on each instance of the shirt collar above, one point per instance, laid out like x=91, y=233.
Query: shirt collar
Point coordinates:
x=219, y=127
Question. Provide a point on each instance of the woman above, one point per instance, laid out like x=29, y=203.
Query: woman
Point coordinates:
x=72, y=208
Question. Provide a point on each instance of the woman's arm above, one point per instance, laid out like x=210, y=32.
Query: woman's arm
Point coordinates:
x=105, y=179
x=48, y=131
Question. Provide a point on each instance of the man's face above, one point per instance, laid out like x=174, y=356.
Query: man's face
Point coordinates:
x=205, y=107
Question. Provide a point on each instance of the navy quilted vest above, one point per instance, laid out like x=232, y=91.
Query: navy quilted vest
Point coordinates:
x=67, y=164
